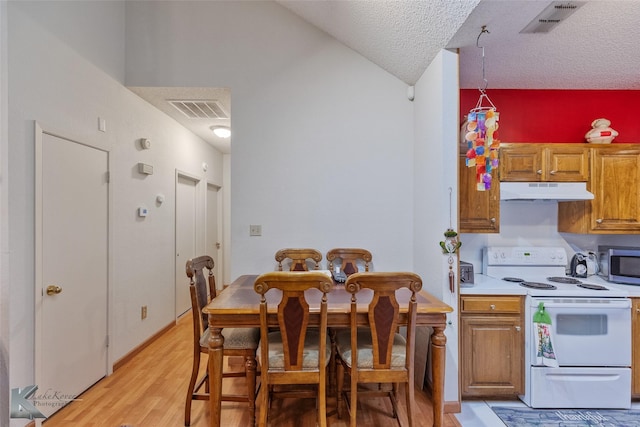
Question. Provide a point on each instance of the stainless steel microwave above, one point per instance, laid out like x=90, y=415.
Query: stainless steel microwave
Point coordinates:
x=620, y=264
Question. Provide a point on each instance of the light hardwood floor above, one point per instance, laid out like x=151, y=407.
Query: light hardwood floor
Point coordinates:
x=150, y=390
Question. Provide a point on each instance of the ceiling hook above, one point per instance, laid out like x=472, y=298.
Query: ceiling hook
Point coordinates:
x=484, y=79
x=482, y=31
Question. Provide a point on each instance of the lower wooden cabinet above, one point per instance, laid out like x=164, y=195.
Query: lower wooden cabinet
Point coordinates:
x=635, y=347
x=492, y=345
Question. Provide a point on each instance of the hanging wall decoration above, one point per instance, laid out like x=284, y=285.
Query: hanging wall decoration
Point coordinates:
x=450, y=246
x=481, y=135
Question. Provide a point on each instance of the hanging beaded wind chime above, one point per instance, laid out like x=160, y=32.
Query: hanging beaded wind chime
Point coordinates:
x=481, y=133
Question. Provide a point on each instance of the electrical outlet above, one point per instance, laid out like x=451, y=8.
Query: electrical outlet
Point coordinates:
x=143, y=312
x=255, y=230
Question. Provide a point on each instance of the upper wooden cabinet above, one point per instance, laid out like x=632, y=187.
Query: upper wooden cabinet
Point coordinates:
x=479, y=210
x=615, y=184
x=544, y=162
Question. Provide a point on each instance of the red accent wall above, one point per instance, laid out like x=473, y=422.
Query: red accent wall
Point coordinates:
x=558, y=115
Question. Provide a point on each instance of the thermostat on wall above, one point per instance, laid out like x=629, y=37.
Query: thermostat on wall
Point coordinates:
x=145, y=169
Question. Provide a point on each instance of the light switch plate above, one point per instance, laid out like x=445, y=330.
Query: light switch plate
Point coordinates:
x=255, y=230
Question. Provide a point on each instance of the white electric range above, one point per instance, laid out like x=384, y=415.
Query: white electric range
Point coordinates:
x=590, y=330
x=541, y=271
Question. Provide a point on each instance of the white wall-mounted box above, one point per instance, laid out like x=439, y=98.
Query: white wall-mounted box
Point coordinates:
x=145, y=169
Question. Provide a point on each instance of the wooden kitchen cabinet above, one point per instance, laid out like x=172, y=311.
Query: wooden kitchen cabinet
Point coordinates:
x=544, y=162
x=492, y=345
x=615, y=183
x=479, y=210
x=635, y=347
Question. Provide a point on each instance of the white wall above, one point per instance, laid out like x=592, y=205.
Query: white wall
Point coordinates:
x=322, y=143
x=526, y=223
x=4, y=223
x=436, y=188
x=51, y=81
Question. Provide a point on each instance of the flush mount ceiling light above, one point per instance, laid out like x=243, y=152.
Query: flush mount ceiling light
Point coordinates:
x=221, y=131
x=551, y=16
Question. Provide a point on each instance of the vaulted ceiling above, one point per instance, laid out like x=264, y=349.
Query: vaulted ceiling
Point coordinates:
x=594, y=48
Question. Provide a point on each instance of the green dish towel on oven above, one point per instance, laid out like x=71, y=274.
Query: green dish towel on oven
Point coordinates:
x=545, y=354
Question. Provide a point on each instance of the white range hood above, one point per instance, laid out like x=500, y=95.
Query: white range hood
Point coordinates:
x=560, y=191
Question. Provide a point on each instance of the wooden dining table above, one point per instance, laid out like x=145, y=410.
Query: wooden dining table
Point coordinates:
x=238, y=305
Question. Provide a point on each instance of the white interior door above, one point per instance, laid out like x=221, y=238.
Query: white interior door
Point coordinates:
x=213, y=245
x=72, y=206
x=186, y=235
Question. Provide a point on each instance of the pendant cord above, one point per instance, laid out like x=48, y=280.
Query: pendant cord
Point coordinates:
x=450, y=211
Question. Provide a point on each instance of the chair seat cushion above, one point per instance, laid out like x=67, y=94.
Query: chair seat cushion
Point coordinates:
x=310, y=354
x=235, y=338
x=365, y=349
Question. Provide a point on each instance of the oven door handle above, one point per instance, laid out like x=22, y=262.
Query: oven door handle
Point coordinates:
x=595, y=304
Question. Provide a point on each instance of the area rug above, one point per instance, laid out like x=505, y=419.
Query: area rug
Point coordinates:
x=527, y=417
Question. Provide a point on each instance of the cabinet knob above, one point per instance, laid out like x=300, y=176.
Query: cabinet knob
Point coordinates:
x=552, y=172
x=599, y=220
x=493, y=220
x=518, y=328
x=539, y=171
x=492, y=306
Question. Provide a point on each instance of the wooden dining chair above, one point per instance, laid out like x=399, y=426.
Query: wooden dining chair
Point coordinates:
x=382, y=355
x=348, y=259
x=298, y=258
x=295, y=353
x=237, y=341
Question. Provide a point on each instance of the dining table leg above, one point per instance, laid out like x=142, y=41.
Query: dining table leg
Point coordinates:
x=438, y=342
x=216, y=361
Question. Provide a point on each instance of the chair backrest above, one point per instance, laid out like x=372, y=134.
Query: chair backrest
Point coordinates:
x=299, y=257
x=292, y=314
x=348, y=258
x=202, y=288
x=384, y=312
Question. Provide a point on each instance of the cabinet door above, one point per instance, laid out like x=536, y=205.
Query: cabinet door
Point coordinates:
x=521, y=163
x=566, y=162
x=492, y=355
x=479, y=210
x=615, y=183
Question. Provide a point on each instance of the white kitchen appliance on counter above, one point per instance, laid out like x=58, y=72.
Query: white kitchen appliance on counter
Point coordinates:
x=590, y=324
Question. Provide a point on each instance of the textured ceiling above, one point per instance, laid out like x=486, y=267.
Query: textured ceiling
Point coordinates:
x=403, y=37
x=595, y=48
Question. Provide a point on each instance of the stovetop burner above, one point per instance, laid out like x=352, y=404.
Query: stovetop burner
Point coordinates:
x=537, y=285
x=593, y=287
x=512, y=279
x=567, y=280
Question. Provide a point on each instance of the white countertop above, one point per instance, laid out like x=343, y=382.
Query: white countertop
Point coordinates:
x=485, y=285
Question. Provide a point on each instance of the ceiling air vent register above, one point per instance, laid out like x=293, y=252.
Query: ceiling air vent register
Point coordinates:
x=200, y=109
x=551, y=16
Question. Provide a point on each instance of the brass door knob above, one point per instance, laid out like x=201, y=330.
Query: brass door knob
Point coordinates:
x=53, y=289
